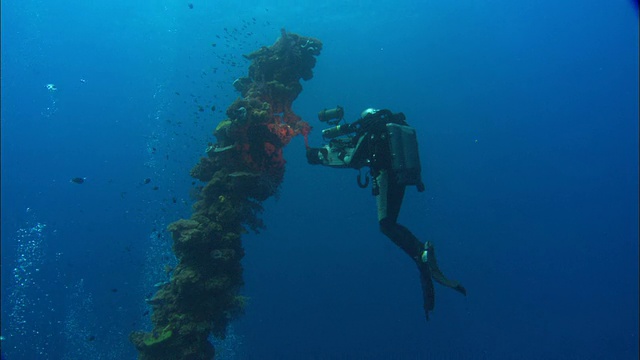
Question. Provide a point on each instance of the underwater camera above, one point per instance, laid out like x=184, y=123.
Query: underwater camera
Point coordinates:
x=333, y=117
x=339, y=130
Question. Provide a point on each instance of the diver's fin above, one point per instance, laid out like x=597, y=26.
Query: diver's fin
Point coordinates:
x=428, y=292
x=430, y=255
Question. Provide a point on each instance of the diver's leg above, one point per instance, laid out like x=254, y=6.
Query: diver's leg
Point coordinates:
x=405, y=240
x=389, y=202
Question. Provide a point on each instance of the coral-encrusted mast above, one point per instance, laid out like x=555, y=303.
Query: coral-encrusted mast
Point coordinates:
x=243, y=169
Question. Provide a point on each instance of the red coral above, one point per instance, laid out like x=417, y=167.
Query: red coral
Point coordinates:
x=284, y=132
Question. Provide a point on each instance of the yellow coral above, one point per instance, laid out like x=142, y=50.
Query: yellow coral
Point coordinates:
x=155, y=338
x=260, y=114
x=223, y=124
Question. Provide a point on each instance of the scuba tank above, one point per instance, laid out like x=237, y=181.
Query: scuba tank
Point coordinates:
x=405, y=158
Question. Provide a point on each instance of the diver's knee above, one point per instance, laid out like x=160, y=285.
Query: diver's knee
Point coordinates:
x=386, y=226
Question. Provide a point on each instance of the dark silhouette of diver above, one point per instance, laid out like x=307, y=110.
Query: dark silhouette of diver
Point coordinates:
x=385, y=143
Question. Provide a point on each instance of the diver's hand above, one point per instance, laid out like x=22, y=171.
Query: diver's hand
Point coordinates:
x=315, y=156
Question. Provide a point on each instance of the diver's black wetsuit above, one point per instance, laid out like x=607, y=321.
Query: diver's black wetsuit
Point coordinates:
x=389, y=202
x=371, y=147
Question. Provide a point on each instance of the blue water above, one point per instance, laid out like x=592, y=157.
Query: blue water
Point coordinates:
x=527, y=118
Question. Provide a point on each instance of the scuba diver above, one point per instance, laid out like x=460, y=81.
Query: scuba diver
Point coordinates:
x=383, y=141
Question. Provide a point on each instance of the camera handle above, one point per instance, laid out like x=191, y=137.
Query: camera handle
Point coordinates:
x=366, y=179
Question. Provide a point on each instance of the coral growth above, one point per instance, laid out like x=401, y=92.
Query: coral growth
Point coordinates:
x=154, y=339
x=244, y=168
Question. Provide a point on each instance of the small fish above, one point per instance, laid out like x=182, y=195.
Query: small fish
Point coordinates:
x=91, y=337
x=213, y=108
x=146, y=181
x=155, y=188
x=190, y=6
x=78, y=180
x=114, y=290
x=145, y=313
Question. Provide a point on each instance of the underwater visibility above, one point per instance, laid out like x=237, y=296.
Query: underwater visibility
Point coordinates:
x=270, y=180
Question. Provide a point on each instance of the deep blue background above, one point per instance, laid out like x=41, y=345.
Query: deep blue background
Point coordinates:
x=527, y=117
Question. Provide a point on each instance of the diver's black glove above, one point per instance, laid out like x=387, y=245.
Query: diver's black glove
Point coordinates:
x=314, y=155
